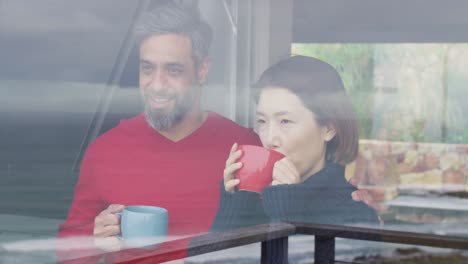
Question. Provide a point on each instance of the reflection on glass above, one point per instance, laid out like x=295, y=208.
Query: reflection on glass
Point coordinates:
x=56, y=57
x=410, y=102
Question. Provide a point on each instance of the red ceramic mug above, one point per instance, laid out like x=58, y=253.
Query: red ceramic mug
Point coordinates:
x=257, y=167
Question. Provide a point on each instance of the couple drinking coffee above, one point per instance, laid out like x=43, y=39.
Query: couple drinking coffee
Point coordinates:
x=303, y=113
x=306, y=124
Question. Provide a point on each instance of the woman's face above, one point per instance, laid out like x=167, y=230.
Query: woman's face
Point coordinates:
x=284, y=124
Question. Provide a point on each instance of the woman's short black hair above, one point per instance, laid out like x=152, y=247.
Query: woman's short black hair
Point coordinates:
x=321, y=90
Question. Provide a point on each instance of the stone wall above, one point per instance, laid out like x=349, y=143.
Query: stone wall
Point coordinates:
x=397, y=166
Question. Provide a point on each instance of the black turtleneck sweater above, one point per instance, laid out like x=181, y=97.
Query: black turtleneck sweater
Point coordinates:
x=324, y=198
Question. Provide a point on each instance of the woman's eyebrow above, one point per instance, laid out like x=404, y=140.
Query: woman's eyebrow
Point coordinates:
x=280, y=113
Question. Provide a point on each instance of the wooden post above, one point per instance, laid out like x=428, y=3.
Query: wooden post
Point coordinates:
x=275, y=251
x=324, y=250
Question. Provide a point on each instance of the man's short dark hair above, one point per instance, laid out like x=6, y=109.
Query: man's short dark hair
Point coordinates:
x=173, y=18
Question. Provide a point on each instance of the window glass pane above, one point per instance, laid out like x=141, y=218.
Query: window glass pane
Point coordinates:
x=410, y=103
x=406, y=77
x=69, y=72
x=56, y=59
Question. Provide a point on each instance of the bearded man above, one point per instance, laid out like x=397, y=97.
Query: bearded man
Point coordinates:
x=173, y=154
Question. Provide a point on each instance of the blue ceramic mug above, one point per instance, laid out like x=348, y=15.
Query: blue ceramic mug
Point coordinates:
x=141, y=221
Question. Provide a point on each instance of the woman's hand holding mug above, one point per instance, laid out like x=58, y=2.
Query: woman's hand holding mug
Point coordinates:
x=230, y=182
x=284, y=172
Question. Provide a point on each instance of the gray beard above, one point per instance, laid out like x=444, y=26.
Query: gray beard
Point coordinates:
x=161, y=120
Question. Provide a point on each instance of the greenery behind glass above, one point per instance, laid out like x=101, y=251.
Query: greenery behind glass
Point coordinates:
x=356, y=64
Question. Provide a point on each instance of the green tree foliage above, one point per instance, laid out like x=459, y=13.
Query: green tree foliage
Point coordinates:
x=355, y=63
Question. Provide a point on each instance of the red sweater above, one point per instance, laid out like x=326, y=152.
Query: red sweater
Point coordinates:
x=132, y=164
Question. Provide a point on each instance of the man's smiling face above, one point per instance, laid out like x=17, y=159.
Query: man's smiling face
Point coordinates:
x=169, y=82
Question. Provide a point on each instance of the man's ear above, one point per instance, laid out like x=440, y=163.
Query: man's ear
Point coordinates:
x=203, y=69
x=329, y=132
